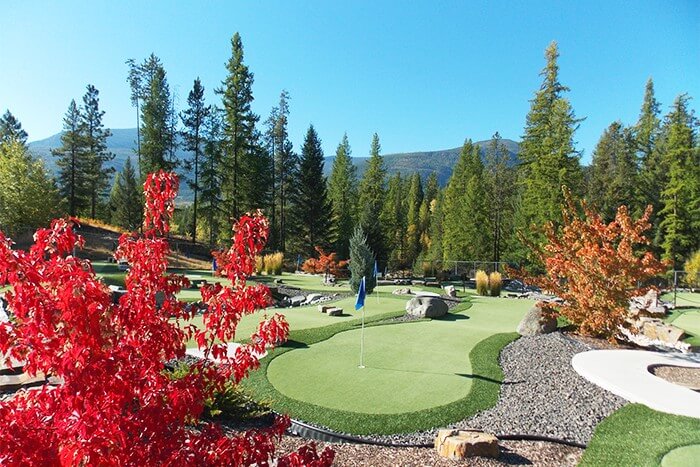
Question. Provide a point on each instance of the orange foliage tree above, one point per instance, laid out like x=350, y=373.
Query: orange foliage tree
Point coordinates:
x=326, y=262
x=595, y=267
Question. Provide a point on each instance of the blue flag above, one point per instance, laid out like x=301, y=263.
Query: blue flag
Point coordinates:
x=360, y=295
x=375, y=273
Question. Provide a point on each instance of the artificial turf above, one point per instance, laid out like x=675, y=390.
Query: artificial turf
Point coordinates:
x=638, y=436
x=479, y=374
x=686, y=315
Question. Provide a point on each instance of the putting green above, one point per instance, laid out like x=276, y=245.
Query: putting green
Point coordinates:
x=684, y=456
x=408, y=366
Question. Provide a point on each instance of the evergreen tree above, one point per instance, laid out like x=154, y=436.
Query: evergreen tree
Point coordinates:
x=393, y=220
x=193, y=119
x=73, y=162
x=311, y=208
x=285, y=163
x=371, y=200
x=125, y=199
x=342, y=190
x=613, y=173
x=11, y=129
x=547, y=154
x=134, y=78
x=680, y=214
x=240, y=186
x=652, y=172
x=499, y=185
x=94, y=141
x=466, y=235
x=214, y=215
x=413, y=221
x=157, y=136
x=28, y=198
x=436, y=232
x=361, y=261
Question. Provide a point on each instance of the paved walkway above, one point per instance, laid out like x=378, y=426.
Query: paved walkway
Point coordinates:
x=625, y=373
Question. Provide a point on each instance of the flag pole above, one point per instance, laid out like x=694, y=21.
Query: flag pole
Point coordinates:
x=362, y=340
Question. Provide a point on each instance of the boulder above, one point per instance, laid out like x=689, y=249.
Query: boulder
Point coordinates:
x=297, y=300
x=334, y=311
x=450, y=291
x=312, y=297
x=460, y=444
x=402, y=291
x=535, y=323
x=426, y=307
x=666, y=333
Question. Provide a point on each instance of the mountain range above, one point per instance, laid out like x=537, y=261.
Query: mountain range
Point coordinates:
x=123, y=144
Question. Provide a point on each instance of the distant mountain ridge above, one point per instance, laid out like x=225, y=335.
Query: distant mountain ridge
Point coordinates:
x=123, y=144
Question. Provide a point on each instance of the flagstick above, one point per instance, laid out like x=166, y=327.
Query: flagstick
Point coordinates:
x=362, y=340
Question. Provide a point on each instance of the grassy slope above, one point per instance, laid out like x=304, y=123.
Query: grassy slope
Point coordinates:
x=481, y=380
x=638, y=436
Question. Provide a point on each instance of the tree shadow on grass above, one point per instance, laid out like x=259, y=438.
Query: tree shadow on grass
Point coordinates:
x=292, y=344
x=452, y=317
x=487, y=379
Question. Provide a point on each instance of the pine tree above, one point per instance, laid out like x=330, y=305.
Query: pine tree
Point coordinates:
x=547, y=154
x=425, y=217
x=157, y=136
x=652, y=172
x=28, y=198
x=371, y=200
x=466, y=233
x=73, y=162
x=134, y=78
x=680, y=214
x=436, y=232
x=311, y=208
x=413, y=221
x=194, y=119
x=613, y=173
x=284, y=166
x=393, y=221
x=125, y=199
x=94, y=141
x=212, y=176
x=499, y=185
x=240, y=186
x=11, y=129
x=361, y=261
x=342, y=190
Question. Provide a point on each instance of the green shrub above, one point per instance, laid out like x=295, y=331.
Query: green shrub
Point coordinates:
x=495, y=284
x=482, y=283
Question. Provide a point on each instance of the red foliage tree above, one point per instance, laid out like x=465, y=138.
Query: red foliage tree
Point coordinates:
x=326, y=263
x=116, y=405
x=595, y=267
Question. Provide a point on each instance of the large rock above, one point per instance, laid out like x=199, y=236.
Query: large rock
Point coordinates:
x=666, y=333
x=451, y=291
x=536, y=322
x=426, y=307
x=402, y=291
x=460, y=444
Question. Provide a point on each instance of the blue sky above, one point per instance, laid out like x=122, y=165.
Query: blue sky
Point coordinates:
x=424, y=75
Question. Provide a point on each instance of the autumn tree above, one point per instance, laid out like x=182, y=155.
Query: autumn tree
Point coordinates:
x=140, y=415
x=594, y=267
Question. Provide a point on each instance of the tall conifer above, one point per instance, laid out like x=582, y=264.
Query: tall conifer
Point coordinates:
x=371, y=200
x=342, y=190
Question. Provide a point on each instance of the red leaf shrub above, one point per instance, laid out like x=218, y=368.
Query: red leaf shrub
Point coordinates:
x=326, y=263
x=116, y=405
x=595, y=267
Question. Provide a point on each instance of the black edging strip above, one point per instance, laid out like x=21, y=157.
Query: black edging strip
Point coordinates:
x=304, y=430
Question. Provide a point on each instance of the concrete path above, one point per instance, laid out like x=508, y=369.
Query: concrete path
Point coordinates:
x=230, y=352
x=626, y=373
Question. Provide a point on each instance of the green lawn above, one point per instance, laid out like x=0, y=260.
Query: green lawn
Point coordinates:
x=418, y=375
x=687, y=317
x=638, y=436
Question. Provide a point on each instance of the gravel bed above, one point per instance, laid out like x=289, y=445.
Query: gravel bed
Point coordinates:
x=531, y=453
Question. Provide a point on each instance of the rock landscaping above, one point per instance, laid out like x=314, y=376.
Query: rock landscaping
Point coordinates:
x=426, y=307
